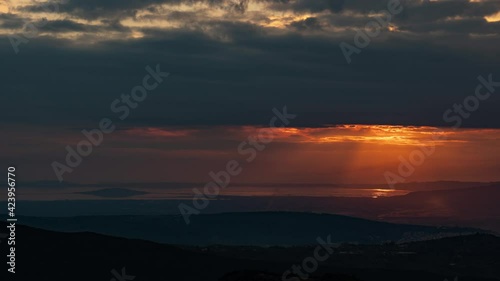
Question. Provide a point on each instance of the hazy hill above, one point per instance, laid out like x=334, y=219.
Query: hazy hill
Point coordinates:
x=114, y=192
x=472, y=207
x=265, y=228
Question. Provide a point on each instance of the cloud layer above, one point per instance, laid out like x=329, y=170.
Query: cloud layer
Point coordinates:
x=232, y=60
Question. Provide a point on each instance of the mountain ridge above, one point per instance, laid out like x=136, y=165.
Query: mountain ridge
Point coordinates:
x=254, y=228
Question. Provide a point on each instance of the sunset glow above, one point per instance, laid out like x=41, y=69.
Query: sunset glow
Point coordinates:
x=335, y=154
x=373, y=134
x=493, y=18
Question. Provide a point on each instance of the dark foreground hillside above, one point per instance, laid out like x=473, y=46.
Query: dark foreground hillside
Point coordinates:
x=46, y=255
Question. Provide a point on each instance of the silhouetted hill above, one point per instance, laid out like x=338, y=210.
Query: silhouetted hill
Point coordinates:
x=114, y=192
x=470, y=207
x=47, y=255
x=475, y=207
x=266, y=228
x=267, y=276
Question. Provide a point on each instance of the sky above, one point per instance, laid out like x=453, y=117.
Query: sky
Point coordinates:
x=343, y=154
x=230, y=63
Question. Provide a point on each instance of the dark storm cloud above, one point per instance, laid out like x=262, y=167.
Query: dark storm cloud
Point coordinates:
x=58, y=26
x=417, y=15
x=335, y=6
x=415, y=11
x=239, y=81
x=11, y=21
x=309, y=23
x=229, y=72
x=435, y=11
x=318, y=6
x=93, y=9
x=467, y=26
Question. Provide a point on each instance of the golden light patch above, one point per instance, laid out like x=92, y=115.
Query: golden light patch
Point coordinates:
x=493, y=18
x=4, y=7
x=137, y=34
x=379, y=134
x=390, y=135
x=381, y=192
x=393, y=28
x=284, y=21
